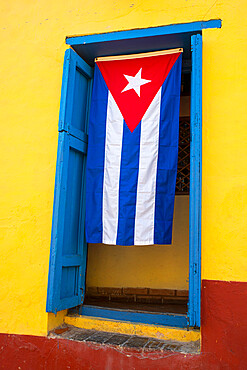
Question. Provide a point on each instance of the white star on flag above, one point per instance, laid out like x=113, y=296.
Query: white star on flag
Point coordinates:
x=135, y=82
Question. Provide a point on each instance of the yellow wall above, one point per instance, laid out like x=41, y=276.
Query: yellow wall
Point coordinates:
x=32, y=47
x=160, y=266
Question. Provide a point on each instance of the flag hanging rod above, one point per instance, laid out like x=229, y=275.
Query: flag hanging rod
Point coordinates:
x=141, y=55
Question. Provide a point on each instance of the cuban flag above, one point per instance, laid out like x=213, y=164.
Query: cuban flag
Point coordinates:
x=133, y=149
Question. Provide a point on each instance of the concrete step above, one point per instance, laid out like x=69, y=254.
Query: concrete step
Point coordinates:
x=142, y=344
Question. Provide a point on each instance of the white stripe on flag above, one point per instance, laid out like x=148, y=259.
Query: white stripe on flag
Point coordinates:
x=113, y=151
x=146, y=186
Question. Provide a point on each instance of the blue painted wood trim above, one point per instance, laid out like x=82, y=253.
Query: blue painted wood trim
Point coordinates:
x=64, y=90
x=72, y=62
x=144, y=32
x=57, y=261
x=195, y=183
x=135, y=317
x=72, y=260
x=56, y=209
x=69, y=138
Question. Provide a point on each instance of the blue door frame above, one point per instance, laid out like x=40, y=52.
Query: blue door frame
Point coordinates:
x=193, y=318
x=194, y=307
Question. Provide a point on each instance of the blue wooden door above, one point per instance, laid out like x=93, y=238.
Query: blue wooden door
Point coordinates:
x=66, y=282
x=195, y=182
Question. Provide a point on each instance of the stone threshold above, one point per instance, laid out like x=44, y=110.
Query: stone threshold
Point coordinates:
x=159, y=332
x=124, y=341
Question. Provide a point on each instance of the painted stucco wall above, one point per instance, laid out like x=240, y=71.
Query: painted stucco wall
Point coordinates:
x=32, y=46
x=162, y=267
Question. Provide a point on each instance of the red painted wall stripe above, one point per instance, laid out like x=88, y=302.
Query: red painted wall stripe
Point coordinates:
x=34, y=353
x=224, y=342
x=224, y=322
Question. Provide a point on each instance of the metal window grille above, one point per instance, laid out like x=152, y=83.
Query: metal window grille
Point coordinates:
x=183, y=172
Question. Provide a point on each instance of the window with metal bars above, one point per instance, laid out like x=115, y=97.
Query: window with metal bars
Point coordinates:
x=183, y=172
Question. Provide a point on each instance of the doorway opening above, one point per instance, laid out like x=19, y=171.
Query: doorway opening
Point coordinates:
x=149, y=278
x=68, y=257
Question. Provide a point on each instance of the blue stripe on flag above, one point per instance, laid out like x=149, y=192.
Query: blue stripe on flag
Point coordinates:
x=128, y=185
x=95, y=159
x=168, y=152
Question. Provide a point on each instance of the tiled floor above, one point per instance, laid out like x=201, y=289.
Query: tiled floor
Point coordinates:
x=142, y=344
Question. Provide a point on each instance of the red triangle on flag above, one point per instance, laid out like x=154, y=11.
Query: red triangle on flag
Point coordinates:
x=134, y=82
